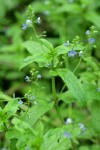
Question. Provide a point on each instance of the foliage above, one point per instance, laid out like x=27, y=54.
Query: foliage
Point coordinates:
x=57, y=108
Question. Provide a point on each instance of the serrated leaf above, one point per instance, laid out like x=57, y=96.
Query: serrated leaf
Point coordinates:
x=73, y=84
x=36, y=111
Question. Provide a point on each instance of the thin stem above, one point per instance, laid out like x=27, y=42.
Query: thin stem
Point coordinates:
x=59, y=115
x=54, y=97
x=53, y=88
x=74, y=70
x=37, y=37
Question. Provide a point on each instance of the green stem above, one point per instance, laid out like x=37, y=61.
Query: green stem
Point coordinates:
x=37, y=37
x=59, y=115
x=53, y=88
x=55, y=99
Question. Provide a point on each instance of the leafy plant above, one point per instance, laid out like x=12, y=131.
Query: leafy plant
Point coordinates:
x=61, y=107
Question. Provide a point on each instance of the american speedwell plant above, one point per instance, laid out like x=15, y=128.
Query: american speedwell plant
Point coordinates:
x=55, y=114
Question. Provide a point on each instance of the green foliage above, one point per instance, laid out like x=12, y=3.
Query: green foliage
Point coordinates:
x=57, y=49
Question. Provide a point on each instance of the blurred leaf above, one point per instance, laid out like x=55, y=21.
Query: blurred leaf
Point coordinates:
x=95, y=112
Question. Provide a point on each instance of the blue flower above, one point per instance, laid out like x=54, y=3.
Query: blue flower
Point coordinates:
x=67, y=43
x=28, y=22
x=48, y=64
x=24, y=26
x=80, y=53
x=39, y=20
x=91, y=40
x=82, y=127
x=39, y=76
x=67, y=134
x=72, y=53
x=87, y=32
x=68, y=121
x=27, y=78
x=20, y=102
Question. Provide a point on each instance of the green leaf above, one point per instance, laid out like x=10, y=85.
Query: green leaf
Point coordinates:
x=35, y=48
x=72, y=83
x=54, y=139
x=4, y=97
x=47, y=44
x=92, y=92
x=62, y=49
x=79, y=47
x=36, y=111
x=67, y=97
x=65, y=49
x=21, y=131
x=26, y=62
x=11, y=108
x=95, y=112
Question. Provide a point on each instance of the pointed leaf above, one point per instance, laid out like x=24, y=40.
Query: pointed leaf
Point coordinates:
x=36, y=111
x=72, y=83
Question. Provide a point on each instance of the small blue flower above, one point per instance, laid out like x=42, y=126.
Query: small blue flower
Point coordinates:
x=80, y=53
x=39, y=76
x=82, y=127
x=39, y=20
x=27, y=78
x=28, y=22
x=67, y=43
x=87, y=32
x=91, y=40
x=24, y=26
x=20, y=102
x=67, y=134
x=72, y=53
x=48, y=64
x=68, y=121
